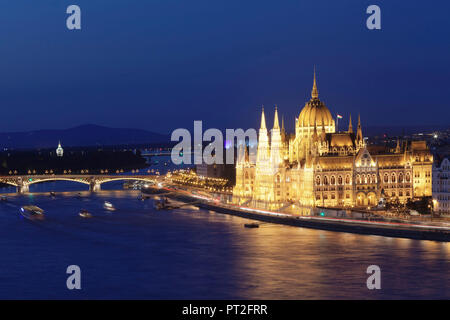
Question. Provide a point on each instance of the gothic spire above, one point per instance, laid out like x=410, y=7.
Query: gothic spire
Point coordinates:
x=359, y=132
x=314, y=92
x=276, y=124
x=263, y=119
x=350, y=126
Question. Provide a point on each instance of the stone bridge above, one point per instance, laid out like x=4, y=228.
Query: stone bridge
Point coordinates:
x=22, y=183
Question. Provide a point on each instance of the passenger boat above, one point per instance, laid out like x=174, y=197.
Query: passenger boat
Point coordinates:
x=108, y=206
x=32, y=213
x=52, y=193
x=85, y=214
x=3, y=199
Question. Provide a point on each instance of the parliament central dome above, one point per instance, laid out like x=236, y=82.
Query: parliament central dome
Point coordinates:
x=315, y=113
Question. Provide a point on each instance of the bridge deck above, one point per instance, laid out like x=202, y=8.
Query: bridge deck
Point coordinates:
x=94, y=180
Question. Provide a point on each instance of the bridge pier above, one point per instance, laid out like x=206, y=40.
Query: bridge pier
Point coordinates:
x=94, y=186
x=23, y=188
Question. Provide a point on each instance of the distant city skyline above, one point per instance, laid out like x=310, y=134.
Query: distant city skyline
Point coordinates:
x=160, y=66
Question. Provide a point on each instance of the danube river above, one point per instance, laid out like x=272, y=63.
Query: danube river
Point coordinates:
x=138, y=252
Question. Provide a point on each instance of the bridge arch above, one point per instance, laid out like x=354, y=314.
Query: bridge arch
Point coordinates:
x=51, y=179
x=101, y=181
x=45, y=184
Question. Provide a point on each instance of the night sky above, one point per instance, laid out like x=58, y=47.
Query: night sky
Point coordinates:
x=161, y=64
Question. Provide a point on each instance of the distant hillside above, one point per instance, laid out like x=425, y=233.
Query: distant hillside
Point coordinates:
x=85, y=135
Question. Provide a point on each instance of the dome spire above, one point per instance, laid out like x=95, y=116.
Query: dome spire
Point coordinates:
x=314, y=92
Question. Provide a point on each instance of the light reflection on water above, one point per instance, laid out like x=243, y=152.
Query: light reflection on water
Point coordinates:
x=137, y=252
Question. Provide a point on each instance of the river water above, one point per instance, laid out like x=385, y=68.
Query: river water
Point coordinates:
x=138, y=252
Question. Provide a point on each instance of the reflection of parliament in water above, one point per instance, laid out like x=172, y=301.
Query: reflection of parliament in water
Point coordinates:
x=318, y=166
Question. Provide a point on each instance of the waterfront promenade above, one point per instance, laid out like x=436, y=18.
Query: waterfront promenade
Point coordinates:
x=382, y=227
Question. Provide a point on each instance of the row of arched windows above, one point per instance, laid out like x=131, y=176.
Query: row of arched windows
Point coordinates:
x=332, y=180
x=394, y=178
x=370, y=178
x=363, y=179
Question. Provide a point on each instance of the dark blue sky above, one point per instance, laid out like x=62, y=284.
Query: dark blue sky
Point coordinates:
x=159, y=65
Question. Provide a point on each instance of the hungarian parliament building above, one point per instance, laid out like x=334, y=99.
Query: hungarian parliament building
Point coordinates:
x=317, y=166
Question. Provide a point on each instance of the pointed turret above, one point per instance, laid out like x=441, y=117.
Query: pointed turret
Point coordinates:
x=276, y=124
x=275, y=143
x=314, y=92
x=350, y=126
x=263, y=120
x=359, y=135
x=263, y=141
x=263, y=163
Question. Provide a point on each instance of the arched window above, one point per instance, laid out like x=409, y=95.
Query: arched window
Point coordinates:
x=386, y=178
x=393, y=178
x=278, y=179
x=370, y=179
x=340, y=180
x=400, y=177
x=246, y=175
x=358, y=179
x=374, y=177
x=325, y=180
x=347, y=179
x=333, y=180
x=318, y=180
x=408, y=177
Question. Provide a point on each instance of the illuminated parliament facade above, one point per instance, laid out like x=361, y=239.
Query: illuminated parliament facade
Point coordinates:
x=318, y=166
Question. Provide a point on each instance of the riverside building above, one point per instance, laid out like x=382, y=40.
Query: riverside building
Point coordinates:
x=318, y=166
